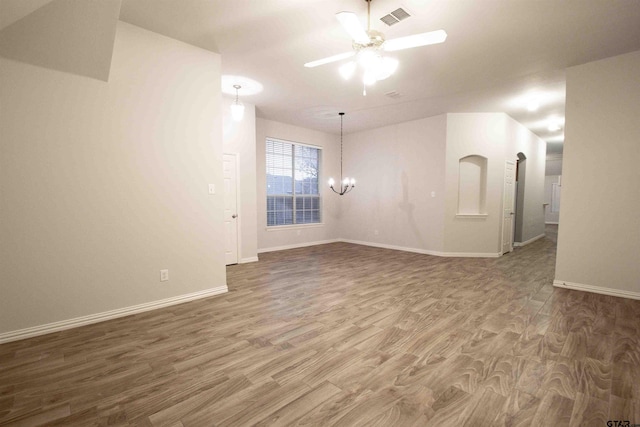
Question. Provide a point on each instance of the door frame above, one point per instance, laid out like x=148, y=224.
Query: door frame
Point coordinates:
x=236, y=156
x=513, y=201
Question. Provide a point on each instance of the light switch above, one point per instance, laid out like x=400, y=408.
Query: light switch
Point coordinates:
x=433, y=194
x=212, y=189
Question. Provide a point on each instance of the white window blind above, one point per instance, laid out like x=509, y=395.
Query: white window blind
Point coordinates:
x=293, y=195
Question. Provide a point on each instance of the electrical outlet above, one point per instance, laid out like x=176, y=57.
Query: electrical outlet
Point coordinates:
x=433, y=194
x=298, y=232
x=164, y=275
x=375, y=232
x=212, y=189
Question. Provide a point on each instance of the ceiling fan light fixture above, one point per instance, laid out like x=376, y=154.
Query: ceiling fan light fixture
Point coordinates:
x=347, y=70
x=351, y=24
x=369, y=77
x=416, y=40
x=368, y=47
x=368, y=58
x=334, y=58
x=387, y=67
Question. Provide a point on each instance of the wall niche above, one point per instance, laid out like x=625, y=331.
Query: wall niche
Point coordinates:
x=472, y=190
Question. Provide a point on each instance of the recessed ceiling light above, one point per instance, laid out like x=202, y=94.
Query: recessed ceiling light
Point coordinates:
x=555, y=124
x=533, y=105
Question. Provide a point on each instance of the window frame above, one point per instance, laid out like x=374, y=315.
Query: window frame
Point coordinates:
x=293, y=196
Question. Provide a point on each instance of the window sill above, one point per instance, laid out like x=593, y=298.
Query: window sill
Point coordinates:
x=293, y=226
x=481, y=216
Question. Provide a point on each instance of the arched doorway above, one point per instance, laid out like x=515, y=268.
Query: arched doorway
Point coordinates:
x=521, y=173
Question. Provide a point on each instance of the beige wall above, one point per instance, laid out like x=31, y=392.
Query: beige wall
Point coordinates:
x=597, y=250
x=292, y=236
x=104, y=184
x=397, y=168
x=240, y=139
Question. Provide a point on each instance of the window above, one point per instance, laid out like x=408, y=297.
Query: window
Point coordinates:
x=293, y=195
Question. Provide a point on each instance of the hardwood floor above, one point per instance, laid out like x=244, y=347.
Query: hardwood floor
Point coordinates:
x=341, y=334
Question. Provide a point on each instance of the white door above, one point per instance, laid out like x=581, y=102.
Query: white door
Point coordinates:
x=507, y=207
x=230, y=209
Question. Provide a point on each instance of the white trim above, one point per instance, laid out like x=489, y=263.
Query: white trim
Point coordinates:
x=425, y=251
x=385, y=246
x=293, y=226
x=463, y=215
x=297, y=245
x=288, y=141
x=551, y=223
x=239, y=214
x=247, y=260
x=526, y=242
x=108, y=315
x=596, y=289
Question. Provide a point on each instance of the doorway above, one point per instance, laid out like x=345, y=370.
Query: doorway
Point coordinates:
x=521, y=174
x=507, y=206
x=229, y=170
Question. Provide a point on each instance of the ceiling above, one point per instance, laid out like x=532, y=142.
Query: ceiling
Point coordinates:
x=497, y=53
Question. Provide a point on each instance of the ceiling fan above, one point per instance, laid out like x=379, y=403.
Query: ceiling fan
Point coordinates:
x=368, y=47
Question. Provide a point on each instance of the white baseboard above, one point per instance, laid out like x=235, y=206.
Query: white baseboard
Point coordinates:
x=424, y=251
x=297, y=245
x=247, y=260
x=596, y=289
x=385, y=246
x=107, y=315
x=533, y=239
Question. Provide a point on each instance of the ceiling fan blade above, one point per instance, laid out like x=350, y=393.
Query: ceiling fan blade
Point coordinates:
x=416, y=40
x=351, y=24
x=329, y=59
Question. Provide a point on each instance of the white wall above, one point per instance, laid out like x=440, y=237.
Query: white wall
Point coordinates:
x=553, y=173
x=550, y=217
x=240, y=139
x=554, y=164
x=480, y=134
x=522, y=140
x=397, y=168
x=497, y=137
x=598, y=251
x=300, y=235
x=104, y=184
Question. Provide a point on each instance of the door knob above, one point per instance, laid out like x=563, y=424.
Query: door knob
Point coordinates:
x=234, y=216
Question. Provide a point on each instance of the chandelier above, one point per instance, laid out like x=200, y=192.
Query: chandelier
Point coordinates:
x=347, y=184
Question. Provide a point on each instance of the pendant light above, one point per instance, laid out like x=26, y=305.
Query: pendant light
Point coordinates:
x=347, y=184
x=237, y=108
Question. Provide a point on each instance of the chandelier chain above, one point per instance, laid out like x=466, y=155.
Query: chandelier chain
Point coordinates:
x=341, y=117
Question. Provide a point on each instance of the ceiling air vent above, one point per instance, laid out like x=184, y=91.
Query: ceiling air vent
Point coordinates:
x=395, y=16
x=393, y=94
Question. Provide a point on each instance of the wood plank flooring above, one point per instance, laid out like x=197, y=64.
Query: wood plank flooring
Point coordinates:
x=341, y=334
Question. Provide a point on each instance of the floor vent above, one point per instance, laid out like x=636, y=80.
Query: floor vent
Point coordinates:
x=395, y=16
